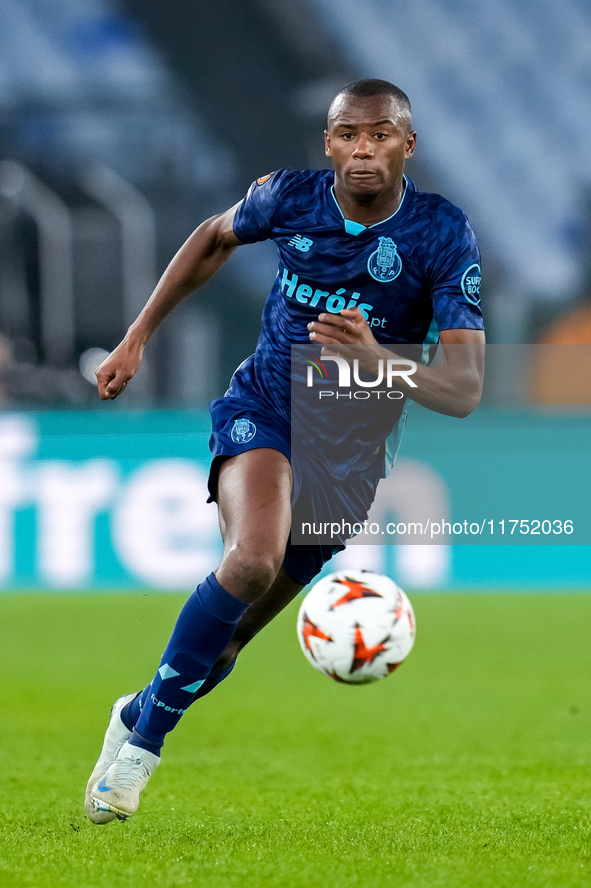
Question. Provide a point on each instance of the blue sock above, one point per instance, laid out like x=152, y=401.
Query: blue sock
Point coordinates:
x=205, y=625
x=131, y=711
x=213, y=680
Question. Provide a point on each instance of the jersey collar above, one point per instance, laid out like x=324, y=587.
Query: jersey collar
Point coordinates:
x=356, y=228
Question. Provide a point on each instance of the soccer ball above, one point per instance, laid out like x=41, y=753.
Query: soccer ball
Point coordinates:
x=356, y=626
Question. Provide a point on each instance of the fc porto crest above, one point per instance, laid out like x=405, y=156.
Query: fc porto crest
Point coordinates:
x=385, y=264
x=243, y=431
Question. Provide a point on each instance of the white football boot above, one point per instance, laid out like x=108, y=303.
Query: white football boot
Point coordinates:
x=115, y=736
x=118, y=790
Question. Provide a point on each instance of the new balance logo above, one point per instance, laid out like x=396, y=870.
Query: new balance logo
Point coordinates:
x=301, y=243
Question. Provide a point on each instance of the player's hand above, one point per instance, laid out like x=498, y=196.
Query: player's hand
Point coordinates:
x=115, y=372
x=347, y=335
x=349, y=327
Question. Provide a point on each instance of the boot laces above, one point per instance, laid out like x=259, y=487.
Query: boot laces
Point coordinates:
x=128, y=772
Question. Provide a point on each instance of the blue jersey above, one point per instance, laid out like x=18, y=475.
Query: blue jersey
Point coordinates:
x=411, y=275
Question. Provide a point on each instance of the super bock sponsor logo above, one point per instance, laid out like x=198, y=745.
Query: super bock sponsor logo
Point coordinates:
x=471, y=280
x=243, y=431
x=385, y=264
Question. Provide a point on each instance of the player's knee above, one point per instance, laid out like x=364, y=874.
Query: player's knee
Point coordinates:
x=255, y=570
x=258, y=572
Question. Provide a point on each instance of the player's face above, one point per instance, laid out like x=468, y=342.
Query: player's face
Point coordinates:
x=369, y=143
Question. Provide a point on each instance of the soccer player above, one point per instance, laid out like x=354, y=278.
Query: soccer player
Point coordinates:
x=365, y=259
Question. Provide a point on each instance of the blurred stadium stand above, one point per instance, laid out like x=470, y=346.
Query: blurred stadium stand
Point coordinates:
x=125, y=124
x=122, y=128
x=501, y=92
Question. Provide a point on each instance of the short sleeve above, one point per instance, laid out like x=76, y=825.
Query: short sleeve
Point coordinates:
x=253, y=220
x=455, y=273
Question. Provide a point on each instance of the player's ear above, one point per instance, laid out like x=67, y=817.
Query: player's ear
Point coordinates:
x=327, y=150
x=411, y=144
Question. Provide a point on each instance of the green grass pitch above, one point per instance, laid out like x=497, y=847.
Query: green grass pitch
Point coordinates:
x=467, y=767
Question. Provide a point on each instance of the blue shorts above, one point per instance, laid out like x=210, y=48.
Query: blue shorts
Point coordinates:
x=239, y=425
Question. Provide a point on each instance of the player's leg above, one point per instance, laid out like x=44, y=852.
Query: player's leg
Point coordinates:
x=254, y=498
x=304, y=562
x=301, y=564
x=254, y=493
x=259, y=615
x=254, y=505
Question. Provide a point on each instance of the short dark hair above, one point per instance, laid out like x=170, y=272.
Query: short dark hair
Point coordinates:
x=373, y=86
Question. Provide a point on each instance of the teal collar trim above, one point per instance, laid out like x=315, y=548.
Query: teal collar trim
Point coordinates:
x=356, y=228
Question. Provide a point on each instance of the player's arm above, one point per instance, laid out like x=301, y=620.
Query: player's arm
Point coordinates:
x=196, y=262
x=454, y=388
